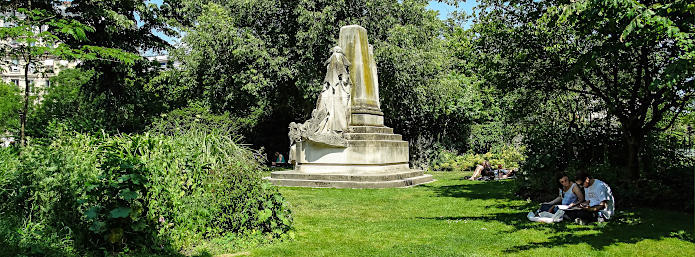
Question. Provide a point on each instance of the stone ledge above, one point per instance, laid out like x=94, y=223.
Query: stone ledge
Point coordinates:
x=408, y=182
x=373, y=136
x=377, y=144
x=370, y=129
x=370, y=177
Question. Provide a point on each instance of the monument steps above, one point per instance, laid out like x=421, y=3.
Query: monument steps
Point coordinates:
x=370, y=129
x=377, y=143
x=373, y=136
x=406, y=182
x=370, y=177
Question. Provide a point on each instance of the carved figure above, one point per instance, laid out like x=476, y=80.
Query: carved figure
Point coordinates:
x=335, y=97
x=330, y=117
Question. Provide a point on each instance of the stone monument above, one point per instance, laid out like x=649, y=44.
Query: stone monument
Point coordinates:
x=345, y=143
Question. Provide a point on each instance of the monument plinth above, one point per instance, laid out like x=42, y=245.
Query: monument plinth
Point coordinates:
x=345, y=142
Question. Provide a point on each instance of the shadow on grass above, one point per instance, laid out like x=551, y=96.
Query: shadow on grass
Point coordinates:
x=628, y=227
x=474, y=190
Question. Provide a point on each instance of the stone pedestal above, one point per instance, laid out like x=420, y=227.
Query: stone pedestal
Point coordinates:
x=374, y=157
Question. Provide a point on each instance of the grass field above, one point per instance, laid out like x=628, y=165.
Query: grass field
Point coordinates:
x=456, y=217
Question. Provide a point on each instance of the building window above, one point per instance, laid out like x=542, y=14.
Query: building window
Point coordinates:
x=15, y=82
x=48, y=83
x=15, y=65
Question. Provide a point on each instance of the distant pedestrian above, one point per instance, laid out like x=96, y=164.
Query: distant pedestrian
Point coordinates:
x=279, y=160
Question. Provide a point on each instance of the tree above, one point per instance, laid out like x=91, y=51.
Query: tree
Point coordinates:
x=34, y=36
x=118, y=88
x=635, y=58
x=10, y=104
x=262, y=61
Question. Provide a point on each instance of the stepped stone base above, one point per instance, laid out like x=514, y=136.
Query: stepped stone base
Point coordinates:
x=374, y=157
x=405, y=178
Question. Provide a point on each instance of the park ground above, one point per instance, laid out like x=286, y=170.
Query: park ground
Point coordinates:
x=456, y=217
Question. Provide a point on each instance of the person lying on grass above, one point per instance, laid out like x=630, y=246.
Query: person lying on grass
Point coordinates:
x=569, y=196
x=599, y=204
x=483, y=169
x=501, y=173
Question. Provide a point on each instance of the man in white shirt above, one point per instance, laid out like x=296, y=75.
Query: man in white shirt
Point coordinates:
x=599, y=204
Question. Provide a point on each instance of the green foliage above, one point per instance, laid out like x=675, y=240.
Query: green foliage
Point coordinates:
x=195, y=117
x=508, y=156
x=125, y=193
x=226, y=67
x=64, y=102
x=116, y=203
x=10, y=104
x=239, y=60
x=73, y=101
x=632, y=60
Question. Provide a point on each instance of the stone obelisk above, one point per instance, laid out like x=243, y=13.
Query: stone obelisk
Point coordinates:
x=367, y=154
x=363, y=74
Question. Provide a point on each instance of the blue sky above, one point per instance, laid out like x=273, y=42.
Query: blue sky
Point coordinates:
x=445, y=9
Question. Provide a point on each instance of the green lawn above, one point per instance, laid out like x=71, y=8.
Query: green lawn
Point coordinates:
x=455, y=217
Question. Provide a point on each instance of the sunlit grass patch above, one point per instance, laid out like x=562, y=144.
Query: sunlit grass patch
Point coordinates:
x=454, y=217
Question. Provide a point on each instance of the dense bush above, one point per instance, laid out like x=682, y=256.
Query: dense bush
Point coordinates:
x=10, y=104
x=598, y=149
x=508, y=156
x=77, y=194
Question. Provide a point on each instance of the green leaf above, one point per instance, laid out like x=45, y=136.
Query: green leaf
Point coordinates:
x=92, y=212
x=120, y=212
x=98, y=227
x=128, y=195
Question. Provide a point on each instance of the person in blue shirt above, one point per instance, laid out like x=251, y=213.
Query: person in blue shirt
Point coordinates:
x=279, y=160
x=569, y=194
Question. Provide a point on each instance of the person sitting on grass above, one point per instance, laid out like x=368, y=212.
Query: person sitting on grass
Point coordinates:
x=481, y=170
x=279, y=160
x=570, y=195
x=599, y=205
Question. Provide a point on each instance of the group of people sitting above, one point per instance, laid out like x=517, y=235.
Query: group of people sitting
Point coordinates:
x=585, y=200
x=484, y=171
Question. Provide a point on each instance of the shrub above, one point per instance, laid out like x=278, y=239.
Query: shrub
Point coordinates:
x=508, y=156
x=125, y=193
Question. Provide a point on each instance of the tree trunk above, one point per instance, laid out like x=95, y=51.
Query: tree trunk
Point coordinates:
x=634, y=146
x=25, y=109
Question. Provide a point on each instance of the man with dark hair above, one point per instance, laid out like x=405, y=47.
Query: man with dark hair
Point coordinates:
x=599, y=204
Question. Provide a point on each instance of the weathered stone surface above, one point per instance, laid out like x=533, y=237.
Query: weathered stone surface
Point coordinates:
x=363, y=72
x=393, y=179
x=352, y=151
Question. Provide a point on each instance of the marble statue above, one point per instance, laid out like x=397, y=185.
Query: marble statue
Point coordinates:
x=330, y=117
x=335, y=97
x=345, y=142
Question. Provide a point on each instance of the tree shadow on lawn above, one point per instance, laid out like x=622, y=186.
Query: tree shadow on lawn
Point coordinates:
x=629, y=226
x=474, y=190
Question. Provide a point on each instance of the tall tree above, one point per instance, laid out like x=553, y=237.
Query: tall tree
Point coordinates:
x=33, y=35
x=637, y=58
x=266, y=61
x=118, y=88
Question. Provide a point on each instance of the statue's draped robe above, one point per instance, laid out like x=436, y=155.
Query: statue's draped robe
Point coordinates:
x=335, y=97
x=330, y=117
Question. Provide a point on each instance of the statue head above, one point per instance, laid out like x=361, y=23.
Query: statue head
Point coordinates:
x=337, y=49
